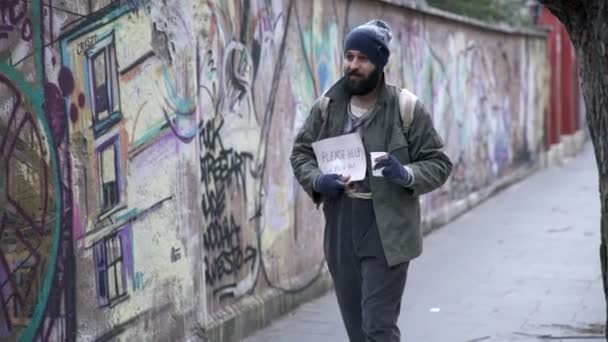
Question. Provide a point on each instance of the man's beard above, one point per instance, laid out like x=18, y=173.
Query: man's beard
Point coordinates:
x=363, y=86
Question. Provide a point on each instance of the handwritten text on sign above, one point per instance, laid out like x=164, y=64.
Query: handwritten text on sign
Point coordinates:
x=343, y=155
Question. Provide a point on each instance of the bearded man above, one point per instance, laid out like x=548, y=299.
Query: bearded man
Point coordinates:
x=372, y=226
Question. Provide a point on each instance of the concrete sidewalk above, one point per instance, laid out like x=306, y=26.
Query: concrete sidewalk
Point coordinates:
x=522, y=265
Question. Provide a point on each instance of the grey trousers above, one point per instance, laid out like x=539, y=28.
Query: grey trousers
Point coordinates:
x=368, y=290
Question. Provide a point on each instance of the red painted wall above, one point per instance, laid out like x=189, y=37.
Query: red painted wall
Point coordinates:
x=563, y=116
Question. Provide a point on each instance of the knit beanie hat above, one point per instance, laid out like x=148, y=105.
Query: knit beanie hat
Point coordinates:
x=371, y=39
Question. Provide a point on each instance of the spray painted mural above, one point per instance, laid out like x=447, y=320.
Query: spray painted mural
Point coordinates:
x=485, y=95
x=145, y=187
x=242, y=78
x=36, y=259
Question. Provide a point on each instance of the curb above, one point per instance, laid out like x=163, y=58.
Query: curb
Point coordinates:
x=257, y=312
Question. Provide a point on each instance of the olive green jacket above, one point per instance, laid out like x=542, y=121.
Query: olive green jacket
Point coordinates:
x=397, y=208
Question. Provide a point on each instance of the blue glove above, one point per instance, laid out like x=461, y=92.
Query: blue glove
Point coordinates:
x=330, y=185
x=393, y=170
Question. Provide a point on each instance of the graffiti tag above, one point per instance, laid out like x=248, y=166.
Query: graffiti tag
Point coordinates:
x=86, y=44
x=13, y=18
x=226, y=252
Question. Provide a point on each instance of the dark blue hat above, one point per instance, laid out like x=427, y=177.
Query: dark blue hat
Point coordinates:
x=371, y=39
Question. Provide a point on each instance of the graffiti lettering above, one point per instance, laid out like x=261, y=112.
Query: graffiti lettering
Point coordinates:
x=225, y=241
x=228, y=263
x=222, y=235
x=219, y=170
x=226, y=252
x=13, y=15
x=86, y=44
x=226, y=166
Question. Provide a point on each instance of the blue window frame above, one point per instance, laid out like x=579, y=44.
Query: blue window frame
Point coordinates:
x=103, y=84
x=110, y=270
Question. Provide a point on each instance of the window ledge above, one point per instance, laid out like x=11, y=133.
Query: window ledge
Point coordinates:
x=115, y=209
x=103, y=126
x=115, y=302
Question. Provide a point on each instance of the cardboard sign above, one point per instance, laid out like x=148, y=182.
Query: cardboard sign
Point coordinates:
x=343, y=155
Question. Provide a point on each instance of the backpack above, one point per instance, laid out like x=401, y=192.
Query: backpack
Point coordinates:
x=407, y=103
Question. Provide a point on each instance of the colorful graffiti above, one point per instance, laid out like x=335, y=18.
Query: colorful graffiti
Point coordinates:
x=16, y=22
x=467, y=84
x=36, y=262
x=144, y=184
x=319, y=60
x=234, y=56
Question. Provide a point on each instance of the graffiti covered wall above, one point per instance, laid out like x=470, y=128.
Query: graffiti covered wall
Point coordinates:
x=145, y=187
x=487, y=94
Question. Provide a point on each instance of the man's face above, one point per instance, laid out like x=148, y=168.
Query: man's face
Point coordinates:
x=361, y=74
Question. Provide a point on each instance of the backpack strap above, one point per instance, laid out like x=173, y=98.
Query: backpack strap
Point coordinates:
x=407, y=103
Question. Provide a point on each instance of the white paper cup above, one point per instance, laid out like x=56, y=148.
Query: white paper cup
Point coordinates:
x=373, y=156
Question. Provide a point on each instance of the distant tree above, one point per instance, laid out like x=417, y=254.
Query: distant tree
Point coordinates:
x=587, y=23
x=512, y=12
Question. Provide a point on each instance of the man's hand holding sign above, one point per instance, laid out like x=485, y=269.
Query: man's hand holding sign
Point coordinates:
x=342, y=160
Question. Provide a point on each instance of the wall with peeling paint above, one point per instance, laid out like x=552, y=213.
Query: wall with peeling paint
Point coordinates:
x=145, y=187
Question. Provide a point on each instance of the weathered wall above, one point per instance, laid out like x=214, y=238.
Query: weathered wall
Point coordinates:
x=487, y=93
x=145, y=187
